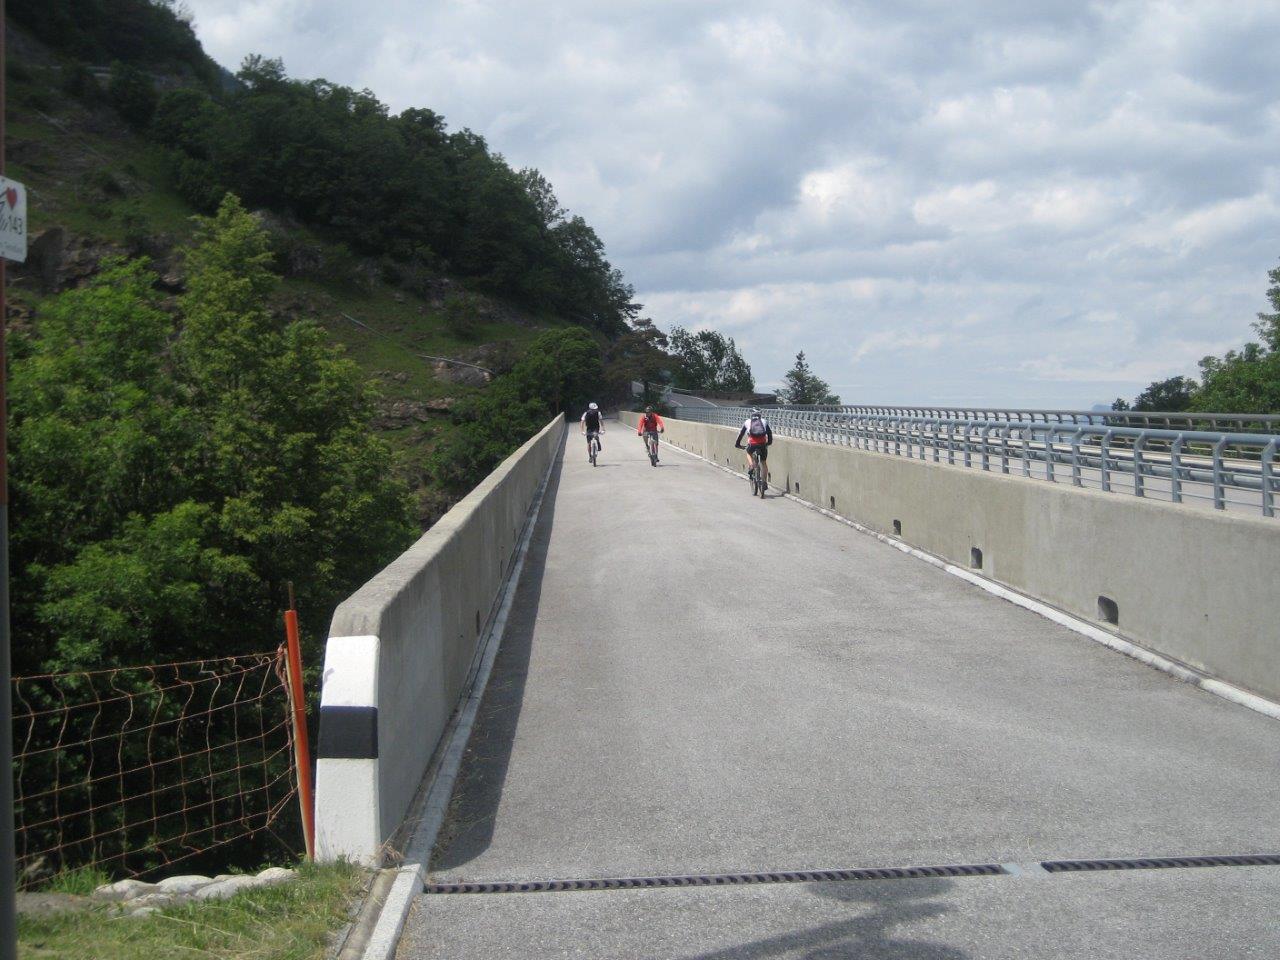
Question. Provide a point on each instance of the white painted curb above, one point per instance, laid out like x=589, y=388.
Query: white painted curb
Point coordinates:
x=1181, y=671
x=411, y=876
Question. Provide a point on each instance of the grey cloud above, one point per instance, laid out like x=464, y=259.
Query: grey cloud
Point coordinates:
x=1017, y=201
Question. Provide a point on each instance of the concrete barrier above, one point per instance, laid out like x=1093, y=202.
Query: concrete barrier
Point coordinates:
x=1195, y=585
x=400, y=650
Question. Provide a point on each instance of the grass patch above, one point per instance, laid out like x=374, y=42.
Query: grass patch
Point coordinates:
x=292, y=921
x=82, y=881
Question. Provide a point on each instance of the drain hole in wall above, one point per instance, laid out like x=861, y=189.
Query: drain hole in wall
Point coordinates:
x=477, y=623
x=1108, y=610
x=897, y=528
x=833, y=503
x=975, y=558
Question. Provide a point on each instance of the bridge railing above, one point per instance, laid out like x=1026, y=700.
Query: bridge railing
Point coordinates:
x=1157, y=420
x=1233, y=470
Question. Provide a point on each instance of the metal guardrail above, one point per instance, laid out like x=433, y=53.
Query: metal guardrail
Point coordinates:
x=1228, y=470
x=1159, y=420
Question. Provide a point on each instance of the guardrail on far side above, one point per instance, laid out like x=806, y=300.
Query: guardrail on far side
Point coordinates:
x=1225, y=470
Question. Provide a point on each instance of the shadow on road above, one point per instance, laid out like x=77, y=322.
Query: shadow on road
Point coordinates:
x=867, y=936
x=468, y=827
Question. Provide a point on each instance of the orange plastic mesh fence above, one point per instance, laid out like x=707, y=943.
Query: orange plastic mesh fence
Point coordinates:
x=135, y=768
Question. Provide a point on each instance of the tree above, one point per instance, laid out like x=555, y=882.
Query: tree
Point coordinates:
x=639, y=355
x=1247, y=380
x=133, y=94
x=560, y=371
x=171, y=472
x=710, y=361
x=801, y=385
x=1172, y=395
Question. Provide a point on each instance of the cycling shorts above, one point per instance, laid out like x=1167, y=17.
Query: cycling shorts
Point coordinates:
x=762, y=447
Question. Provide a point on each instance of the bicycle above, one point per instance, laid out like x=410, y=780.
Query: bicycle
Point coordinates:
x=651, y=446
x=593, y=446
x=758, y=474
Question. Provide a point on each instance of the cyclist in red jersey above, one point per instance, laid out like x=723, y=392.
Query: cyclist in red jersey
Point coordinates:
x=759, y=436
x=651, y=423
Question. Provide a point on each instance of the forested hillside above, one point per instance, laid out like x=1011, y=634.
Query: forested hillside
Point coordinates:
x=266, y=333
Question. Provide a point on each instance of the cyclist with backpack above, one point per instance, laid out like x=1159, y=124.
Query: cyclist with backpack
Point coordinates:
x=650, y=426
x=592, y=427
x=759, y=438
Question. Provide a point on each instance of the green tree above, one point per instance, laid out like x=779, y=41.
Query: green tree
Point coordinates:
x=710, y=361
x=461, y=318
x=1246, y=380
x=561, y=371
x=171, y=472
x=1173, y=395
x=802, y=385
x=639, y=355
x=133, y=94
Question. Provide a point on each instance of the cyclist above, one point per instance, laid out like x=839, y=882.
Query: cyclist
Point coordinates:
x=650, y=425
x=759, y=437
x=592, y=427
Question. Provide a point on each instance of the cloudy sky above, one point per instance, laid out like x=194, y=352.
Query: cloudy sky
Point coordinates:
x=1013, y=201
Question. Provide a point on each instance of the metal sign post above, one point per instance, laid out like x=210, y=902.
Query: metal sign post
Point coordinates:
x=13, y=246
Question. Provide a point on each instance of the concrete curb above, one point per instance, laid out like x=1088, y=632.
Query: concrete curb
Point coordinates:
x=441, y=776
x=1210, y=684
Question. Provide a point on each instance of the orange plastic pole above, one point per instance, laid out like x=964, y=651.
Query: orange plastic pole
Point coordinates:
x=302, y=750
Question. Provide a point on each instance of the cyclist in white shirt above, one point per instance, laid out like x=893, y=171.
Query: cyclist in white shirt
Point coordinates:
x=593, y=427
x=759, y=437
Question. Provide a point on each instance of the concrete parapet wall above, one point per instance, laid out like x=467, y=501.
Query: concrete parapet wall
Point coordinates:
x=1195, y=585
x=400, y=650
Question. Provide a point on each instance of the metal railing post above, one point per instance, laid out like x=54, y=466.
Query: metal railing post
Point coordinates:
x=1268, y=480
x=1175, y=469
x=1139, y=488
x=1219, y=495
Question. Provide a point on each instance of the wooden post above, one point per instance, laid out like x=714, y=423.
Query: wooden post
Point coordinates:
x=301, y=748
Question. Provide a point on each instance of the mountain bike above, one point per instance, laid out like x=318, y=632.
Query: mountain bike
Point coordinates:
x=651, y=445
x=758, y=474
x=593, y=446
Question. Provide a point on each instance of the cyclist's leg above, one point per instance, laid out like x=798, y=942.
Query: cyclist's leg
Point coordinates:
x=764, y=465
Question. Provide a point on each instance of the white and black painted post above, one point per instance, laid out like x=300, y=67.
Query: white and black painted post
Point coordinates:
x=348, y=807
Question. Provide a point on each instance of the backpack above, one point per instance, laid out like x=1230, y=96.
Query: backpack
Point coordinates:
x=757, y=428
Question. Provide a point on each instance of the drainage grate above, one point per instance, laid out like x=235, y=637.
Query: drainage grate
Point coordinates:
x=721, y=879
x=1161, y=863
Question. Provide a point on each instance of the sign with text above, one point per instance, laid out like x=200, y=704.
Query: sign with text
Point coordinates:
x=13, y=220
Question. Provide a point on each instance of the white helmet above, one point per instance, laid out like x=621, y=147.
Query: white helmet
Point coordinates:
x=755, y=411
x=592, y=406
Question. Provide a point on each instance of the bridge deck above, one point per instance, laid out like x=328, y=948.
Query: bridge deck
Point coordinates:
x=694, y=681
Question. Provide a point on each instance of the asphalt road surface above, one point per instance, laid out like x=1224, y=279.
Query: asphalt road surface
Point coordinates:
x=696, y=682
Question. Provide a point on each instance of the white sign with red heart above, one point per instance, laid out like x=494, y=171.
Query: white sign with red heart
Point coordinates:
x=13, y=220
